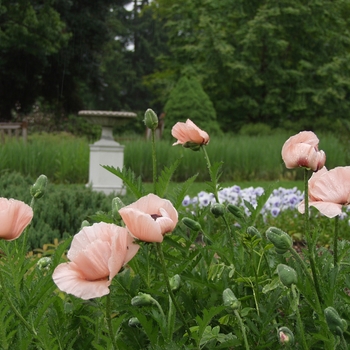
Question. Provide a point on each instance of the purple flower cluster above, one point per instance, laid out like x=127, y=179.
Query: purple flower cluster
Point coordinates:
x=281, y=199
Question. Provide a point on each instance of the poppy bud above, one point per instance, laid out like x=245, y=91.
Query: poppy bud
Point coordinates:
x=230, y=299
x=142, y=299
x=285, y=336
x=235, y=211
x=253, y=232
x=38, y=189
x=134, y=322
x=191, y=224
x=84, y=224
x=151, y=119
x=217, y=209
x=287, y=275
x=116, y=205
x=175, y=282
x=335, y=323
x=280, y=239
x=43, y=262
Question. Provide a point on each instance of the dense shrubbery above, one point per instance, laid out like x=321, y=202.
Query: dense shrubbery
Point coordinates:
x=60, y=212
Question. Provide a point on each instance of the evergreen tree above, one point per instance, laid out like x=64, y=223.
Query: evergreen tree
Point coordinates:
x=189, y=101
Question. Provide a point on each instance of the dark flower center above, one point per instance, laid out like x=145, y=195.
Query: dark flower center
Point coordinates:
x=156, y=216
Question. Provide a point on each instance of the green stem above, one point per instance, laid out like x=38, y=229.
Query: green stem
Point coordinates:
x=242, y=329
x=172, y=296
x=109, y=321
x=335, y=242
x=17, y=312
x=154, y=161
x=299, y=321
x=215, y=187
x=310, y=243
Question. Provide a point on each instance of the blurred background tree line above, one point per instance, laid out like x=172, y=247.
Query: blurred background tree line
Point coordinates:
x=257, y=62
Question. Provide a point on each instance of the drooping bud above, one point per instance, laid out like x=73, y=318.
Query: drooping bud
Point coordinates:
x=117, y=204
x=236, y=211
x=280, y=239
x=142, y=299
x=191, y=224
x=39, y=187
x=335, y=323
x=134, y=322
x=253, y=232
x=285, y=336
x=151, y=119
x=230, y=299
x=175, y=282
x=287, y=275
x=217, y=209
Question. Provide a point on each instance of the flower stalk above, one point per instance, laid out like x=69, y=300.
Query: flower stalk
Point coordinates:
x=109, y=321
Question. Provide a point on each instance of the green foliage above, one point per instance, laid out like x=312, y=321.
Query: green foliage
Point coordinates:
x=189, y=101
x=59, y=213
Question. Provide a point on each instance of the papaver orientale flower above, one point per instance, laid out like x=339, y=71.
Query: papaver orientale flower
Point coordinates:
x=96, y=255
x=329, y=191
x=189, y=134
x=149, y=218
x=301, y=150
x=15, y=216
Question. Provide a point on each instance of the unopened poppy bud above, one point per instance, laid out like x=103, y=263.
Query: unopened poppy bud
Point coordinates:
x=280, y=239
x=285, y=336
x=253, y=232
x=217, y=209
x=43, y=262
x=134, y=322
x=191, y=224
x=38, y=189
x=192, y=145
x=230, y=299
x=235, y=211
x=84, y=224
x=287, y=275
x=151, y=119
x=142, y=299
x=335, y=323
x=175, y=282
x=117, y=204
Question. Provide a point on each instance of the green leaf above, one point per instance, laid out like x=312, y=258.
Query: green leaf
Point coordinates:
x=165, y=177
x=181, y=190
x=129, y=178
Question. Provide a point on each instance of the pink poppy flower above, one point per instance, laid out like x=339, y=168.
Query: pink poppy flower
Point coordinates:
x=329, y=191
x=189, y=132
x=301, y=150
x=96, y=255
x=149, y=218
x=15, y=216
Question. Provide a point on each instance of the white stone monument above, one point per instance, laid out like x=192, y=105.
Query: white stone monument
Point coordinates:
x=106, y=151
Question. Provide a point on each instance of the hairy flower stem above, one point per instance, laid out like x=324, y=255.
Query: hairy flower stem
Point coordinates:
x=309, y=240
x=335, y=242
x=154, y=162
x=109, y=321
x=299, y=321
x=17, y=312
x=172, y=296
x=242, y=329
x=214, y=181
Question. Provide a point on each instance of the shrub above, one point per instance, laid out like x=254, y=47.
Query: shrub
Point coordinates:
x=59, y=213
x=189, y=101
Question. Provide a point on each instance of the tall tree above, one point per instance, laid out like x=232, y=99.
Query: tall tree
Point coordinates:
x=30, y=32
x=262, y=61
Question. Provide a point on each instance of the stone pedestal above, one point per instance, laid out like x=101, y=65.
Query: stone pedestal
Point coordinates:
x=106, y=151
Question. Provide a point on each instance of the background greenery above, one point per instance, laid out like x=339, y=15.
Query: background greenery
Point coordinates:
x=284, y=64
